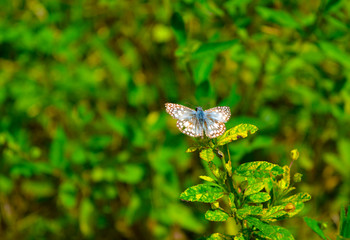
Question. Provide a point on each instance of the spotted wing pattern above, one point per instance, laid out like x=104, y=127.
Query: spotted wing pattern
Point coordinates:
x=180, y=112
x=221, y=114
x=187, y=121
x=214, y=128
x=215, y=119
x=191, y=128
x=213, y=124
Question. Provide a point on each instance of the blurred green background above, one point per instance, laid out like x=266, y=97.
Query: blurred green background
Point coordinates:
x=86, y=148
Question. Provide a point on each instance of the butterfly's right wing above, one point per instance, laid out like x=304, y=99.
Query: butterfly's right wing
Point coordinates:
x=187, y=121
x=214, y=128
x=221, y=114
x=215, y=118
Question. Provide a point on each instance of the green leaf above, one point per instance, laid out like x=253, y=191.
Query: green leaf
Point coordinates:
x=315, y=226
x=283, y=233
x=178, y=25
x=332, y=51
x=259, y=169
x=265, y=229
x=254, y=188
x=216, y=215
x=250, y=210
x=331, y=4
x=180, y=215
x=118, y=125
x=207, y=154
x=212, y=48
x=57, y=149
x=86, y=217
x=277, y=16
x=344, y=223
x=237, y=132
x=68, y=194
x=260, y=197
x=110, y=59
x=130, y=173
x=299, y=197
x=202, y=69
x=273, y=232
x=202, y=193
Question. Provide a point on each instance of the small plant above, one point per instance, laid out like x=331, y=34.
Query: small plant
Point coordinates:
x=255, y=194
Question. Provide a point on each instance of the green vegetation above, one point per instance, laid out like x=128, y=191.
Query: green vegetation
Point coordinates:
x=87, y=150
x=251, y=194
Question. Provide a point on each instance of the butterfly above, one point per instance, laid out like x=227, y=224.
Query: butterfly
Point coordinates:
x=197, y=122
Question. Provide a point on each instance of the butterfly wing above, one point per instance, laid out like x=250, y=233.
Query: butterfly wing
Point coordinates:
x=180, y=112
x=187, y=121
x=215, y=118
x=221, y=114
x=190, y=127
x=214, y=128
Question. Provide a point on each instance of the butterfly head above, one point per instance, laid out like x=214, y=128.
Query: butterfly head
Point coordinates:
x=199, y=109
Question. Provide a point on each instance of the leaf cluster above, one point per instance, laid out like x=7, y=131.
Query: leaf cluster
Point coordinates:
x=255, y=194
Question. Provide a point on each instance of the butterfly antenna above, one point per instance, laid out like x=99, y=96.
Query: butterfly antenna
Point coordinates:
x=190, y=105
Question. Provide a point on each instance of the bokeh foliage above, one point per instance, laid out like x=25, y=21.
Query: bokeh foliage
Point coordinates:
x=86, y=148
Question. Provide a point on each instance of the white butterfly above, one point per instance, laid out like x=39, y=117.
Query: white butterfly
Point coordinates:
x=195, y=122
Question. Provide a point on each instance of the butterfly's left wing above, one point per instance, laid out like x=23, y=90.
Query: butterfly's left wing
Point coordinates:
x=215, y=118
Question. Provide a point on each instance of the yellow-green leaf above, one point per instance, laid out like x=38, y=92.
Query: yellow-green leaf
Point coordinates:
x=219, y=236
x=207, y=154
x=215, y=205
x=202, y=193
x=259, y=197
x=274, y=212
x=299, y=197
x=216, y=215
x=231, y=202
x=216, y=171
x=228, y=167
x=206, y=178
x=237, y=132
x=254, y=188
x=285, y=181
x=192, y=149
x=298, y=207
x=259, y=169
x=250, y=210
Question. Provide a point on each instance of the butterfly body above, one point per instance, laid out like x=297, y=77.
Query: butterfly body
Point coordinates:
x=197, y=122
x=200, y=115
